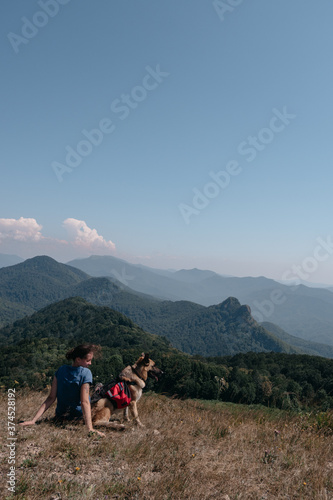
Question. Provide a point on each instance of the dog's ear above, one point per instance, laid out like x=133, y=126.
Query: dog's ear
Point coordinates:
x=146, y=358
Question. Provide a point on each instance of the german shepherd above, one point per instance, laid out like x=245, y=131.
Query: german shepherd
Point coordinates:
x=136, y=376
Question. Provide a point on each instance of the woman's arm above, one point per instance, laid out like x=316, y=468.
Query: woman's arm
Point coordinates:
x=47, y=403
x=86, y=409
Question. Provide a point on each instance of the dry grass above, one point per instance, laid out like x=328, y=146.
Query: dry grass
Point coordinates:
x=188, y=450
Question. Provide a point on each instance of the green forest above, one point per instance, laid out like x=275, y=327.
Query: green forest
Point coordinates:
x=34, y=347
x=218, y=330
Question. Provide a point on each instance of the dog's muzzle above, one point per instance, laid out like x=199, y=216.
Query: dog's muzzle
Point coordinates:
x=155, y=374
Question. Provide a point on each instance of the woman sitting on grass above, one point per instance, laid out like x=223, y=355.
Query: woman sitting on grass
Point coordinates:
x=70, y=386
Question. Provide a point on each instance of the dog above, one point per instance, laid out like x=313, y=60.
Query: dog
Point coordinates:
x=135, y=376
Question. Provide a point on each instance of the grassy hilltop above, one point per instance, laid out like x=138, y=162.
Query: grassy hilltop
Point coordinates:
x=188, y=450
x=214, y=447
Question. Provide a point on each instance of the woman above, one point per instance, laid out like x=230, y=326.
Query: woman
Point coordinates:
x=70, y=386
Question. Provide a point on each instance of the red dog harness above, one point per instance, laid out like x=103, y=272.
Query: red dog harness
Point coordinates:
x=116, y=391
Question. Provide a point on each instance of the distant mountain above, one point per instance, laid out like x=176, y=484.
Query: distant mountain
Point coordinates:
x=309, y=284
x=74, y=319
x=37, y=282
x=9, y=260
x=190, y=327
x=192, y=275
x=216, y=330
x=223, y=329
x=211, y=288
x=308, y=347
x=138, y=278
x=302, y=311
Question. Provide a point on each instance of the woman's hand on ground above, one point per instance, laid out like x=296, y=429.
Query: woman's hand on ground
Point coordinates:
x=101, y=434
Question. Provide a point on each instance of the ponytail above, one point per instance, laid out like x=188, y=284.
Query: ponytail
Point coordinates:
x=82, y=350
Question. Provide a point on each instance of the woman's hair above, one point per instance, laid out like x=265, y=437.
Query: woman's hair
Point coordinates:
x=82, y=350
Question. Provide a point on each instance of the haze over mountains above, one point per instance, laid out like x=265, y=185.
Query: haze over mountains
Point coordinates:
x=299, y=310
x=225, y=328
x=9, y=260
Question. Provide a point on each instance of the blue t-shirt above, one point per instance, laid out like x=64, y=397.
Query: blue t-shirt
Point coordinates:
x=69, y=382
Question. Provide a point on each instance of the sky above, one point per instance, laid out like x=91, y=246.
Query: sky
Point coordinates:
x=175, y=134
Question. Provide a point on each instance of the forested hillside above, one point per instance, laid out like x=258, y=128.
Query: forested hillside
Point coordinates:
x=302, y=311
x=282, y=380
x=306, y=346
x=37, y=282
x=34, y=347
x=222, y=329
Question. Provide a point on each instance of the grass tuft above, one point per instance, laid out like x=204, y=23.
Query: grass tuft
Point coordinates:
x=188, y=450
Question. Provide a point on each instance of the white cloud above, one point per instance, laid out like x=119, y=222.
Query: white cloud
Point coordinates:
x=85, y=237
x=24, y=237
x=22, y=229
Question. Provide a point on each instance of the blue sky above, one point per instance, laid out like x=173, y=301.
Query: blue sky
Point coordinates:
x=158, y=100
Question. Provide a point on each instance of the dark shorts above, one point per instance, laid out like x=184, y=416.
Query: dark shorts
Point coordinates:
x=68, y=417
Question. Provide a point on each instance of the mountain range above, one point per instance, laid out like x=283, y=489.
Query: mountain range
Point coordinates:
x=35, y=346
x=222, y=329
x=299, y=310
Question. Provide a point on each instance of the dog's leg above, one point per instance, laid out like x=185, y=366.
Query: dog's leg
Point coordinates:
x=101, y=413
x=126, y=417
x=109, y=425
x=134, y=412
